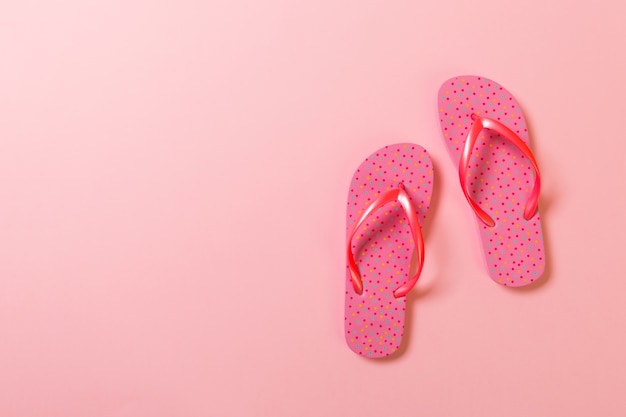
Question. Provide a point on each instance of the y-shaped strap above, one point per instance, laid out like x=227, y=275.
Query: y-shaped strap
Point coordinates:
x=401, y=196
x=481, y=123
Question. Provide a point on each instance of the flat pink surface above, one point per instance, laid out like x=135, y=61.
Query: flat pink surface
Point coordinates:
x=173, y=179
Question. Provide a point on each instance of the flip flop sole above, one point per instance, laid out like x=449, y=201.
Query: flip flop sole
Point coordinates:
x=383, y=246
x=500, y=178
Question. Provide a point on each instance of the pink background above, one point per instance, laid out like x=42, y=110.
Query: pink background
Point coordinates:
x=173, y=176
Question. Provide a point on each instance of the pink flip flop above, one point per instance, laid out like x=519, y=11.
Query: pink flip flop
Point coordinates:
x=486, y=135
x=389, y=196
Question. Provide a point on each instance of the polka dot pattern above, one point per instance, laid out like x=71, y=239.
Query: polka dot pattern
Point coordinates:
x=500, y=178
x=383, y=246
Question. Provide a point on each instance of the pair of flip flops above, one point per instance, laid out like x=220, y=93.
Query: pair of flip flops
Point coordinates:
x=390, y=193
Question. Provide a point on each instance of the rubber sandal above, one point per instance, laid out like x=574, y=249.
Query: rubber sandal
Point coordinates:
x=487, y=136
x=389, y=197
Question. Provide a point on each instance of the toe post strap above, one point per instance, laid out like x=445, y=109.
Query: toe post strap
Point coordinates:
x=399, y=194
x=479, y=124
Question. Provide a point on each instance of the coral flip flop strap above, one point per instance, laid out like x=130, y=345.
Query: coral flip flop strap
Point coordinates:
x=481, y=123
x=403, y=198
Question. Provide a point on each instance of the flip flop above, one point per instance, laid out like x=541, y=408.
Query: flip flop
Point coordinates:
x=389, y=196
x=487, y=137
